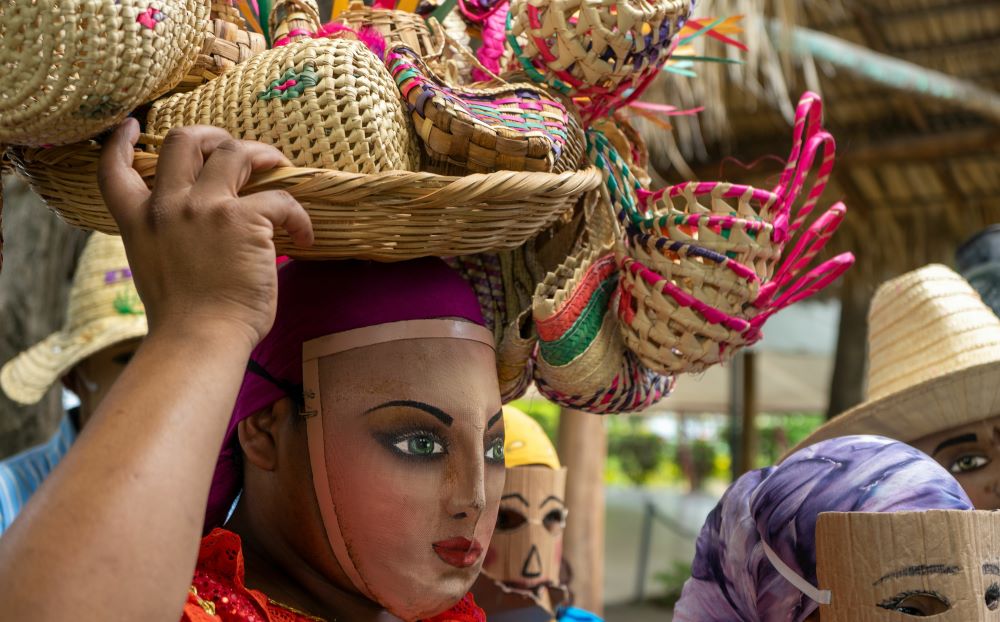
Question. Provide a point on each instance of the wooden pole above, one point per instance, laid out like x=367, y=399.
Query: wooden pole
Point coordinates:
x=748, y=440
x=583, y=449
x=847, y=388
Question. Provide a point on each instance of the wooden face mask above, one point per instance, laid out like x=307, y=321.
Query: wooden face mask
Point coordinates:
x=526, y=550
x=898, y=566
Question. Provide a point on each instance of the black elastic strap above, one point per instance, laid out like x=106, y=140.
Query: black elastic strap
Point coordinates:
x=291, y=389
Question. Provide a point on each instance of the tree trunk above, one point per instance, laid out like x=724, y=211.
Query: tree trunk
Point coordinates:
x=40, y=254
x=583, y=448
x=847, y=387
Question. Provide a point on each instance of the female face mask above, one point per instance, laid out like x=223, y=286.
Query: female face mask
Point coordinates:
x=898, y=566
x=406, y=442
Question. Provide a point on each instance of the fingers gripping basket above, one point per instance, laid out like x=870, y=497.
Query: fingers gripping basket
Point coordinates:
x=706, y=263
x=389, y=216
x=72, y=69
x=328, y=103
x=600, y=49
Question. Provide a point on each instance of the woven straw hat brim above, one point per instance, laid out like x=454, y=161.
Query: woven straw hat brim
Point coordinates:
x=949, y=401
x=28, y=376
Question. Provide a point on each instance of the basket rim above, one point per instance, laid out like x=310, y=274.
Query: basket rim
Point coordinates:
x=589, y=177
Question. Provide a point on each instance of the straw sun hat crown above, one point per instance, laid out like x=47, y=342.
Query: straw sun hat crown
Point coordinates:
x=934, y=360
x=104, y=309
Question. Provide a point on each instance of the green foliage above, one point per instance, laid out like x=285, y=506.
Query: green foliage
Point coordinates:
x=544, y=412
x=776, y=434
x=672, y=581
x=639, y=451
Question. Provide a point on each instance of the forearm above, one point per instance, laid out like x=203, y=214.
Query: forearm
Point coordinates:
x=113, y=534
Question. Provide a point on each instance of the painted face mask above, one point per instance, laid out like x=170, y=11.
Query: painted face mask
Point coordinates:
x=527, y=541
x=408, y=469
x=522, y=568
x=897, y=566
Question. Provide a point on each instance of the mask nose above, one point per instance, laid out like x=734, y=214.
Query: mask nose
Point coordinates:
x=532, y=568
x=468, y=491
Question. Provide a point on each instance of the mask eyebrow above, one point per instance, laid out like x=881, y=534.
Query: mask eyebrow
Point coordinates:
x=991, y=569
x=514, y=495
x=919, y=571
x=553, y=498
x=434, y=411
x=494, y=419
x=958, y=440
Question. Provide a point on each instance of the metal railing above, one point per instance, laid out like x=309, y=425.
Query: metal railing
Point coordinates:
x=652, y=514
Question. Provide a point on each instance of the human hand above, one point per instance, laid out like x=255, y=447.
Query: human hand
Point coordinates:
x=202, y=256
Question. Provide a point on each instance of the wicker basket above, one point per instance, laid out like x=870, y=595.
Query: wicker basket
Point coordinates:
x=327, y=103
x=700, y=275
x=388, y=216
x=227, y=43
x=396, y=27
x=74, y=68
x=600, y=49
x=482, y=127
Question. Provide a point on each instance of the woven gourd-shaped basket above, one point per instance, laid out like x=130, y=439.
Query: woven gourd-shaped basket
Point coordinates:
x=327, y=103
x=74, y=68
x=483, y=127
x=227, y=43
x=594, y=48
x=707, y=263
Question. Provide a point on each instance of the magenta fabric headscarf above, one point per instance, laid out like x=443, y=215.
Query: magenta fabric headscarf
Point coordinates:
x=318, y=298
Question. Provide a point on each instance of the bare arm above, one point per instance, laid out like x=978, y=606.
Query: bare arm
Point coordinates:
x=113, y=534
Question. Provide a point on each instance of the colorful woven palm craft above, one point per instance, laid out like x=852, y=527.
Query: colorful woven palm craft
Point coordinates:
x=605, y=50
x=699, y=275
x=485, y=127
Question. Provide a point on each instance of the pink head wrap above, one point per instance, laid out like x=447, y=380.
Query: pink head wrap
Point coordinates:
x=321, y=298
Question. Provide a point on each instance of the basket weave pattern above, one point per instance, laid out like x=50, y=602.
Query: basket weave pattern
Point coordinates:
x=327, y=103
x=594, y=48
x=72, y=69
x=227, y=43
x=388, y=216
x=396, y=27
x=706, y=264
x=482, y=127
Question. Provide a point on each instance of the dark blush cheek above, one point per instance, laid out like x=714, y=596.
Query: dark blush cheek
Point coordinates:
x=491, y=556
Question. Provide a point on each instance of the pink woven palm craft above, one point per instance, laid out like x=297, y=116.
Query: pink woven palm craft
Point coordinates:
x=699, y=275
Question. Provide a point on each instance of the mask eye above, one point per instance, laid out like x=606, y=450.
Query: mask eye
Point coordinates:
x=967, y=463
x=509, y=520
x=556, y=519
x=917, y=604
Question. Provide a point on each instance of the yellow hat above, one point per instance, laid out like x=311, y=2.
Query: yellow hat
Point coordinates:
x=104, y=309
x=526, y=443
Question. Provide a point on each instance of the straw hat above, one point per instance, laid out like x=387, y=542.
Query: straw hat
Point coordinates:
x=525, y=441
x=934, y=360
x=104, y=309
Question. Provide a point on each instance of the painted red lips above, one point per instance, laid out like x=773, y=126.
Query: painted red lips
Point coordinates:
x=458, y=552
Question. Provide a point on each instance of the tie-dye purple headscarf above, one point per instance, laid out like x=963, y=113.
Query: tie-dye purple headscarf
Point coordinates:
x=732, y=579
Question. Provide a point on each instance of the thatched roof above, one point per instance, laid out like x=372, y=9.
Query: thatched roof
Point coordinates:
x=918, y=153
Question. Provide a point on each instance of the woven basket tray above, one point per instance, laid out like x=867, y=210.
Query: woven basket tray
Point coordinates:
x=389, y=216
